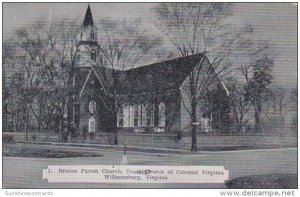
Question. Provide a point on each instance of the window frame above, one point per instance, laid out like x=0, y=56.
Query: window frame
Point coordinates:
x=135, y=115
x=162, y=114
x=92, y=35
x=92, y=125
x=93, y=55
x=92, y=107
x=149, y=116
x=121, y=116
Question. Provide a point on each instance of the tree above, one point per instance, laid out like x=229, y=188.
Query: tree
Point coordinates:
x=194, y=28
x=63, y=37
x=24, y=86
x=11, y=100
x=294, y=96
x=277, y=98
x=239, y=105
x=45, y=55
x=123, y=45
x=257, y=89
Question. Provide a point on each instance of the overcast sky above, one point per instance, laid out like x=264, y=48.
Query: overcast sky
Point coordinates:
x=276, y=22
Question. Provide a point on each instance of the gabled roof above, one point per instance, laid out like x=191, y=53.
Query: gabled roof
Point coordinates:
x=88, y=19
x=158, y=77
x=219, y=77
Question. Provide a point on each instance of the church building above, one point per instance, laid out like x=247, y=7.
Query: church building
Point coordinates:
x=150, y=98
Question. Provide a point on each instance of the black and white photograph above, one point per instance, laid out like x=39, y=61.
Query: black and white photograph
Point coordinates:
x=158, y=95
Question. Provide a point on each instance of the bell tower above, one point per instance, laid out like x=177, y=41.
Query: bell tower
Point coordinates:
x=87, y=55
x=88, y=41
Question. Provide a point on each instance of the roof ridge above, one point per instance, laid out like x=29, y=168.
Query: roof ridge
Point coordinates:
x=165, y=61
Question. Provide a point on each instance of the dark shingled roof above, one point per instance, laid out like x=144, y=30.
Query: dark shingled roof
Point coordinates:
x=162, y=76
x=158, y=77
x=88, y=19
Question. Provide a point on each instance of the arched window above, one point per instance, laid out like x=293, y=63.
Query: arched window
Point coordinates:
x=148, y=115
x=92, y=125
x=136, y=116
x=161, y=115
x=121, y=117
x=93, y=55
x=92, y=106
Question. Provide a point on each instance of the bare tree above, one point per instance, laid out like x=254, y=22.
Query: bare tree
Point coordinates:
x=194, y=28
x=239, y=105
x=257, y=89
x=123, y=45
x=12, y=101
x=45, y=54
x=277, y=99
x=25, y=85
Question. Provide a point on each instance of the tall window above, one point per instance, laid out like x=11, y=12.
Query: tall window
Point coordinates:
x=121, y=117
x=92, y=106
x=74, y=79
x=136, y=116
x=148, y=115
x=92, y=35
x=162, y=114
x=92, y=125
x=93, y=55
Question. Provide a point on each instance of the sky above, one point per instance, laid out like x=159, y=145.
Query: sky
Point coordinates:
x=275, y=22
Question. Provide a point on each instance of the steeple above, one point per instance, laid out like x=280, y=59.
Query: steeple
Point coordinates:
x=88, y=19
x=88, y=44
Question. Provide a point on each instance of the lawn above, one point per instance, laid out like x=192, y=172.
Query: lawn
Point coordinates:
x=17, y=150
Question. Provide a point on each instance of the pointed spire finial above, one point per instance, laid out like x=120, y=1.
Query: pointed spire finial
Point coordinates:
x=88, y=19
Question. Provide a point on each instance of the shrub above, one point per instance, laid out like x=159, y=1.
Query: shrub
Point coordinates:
x=179, y=135
x=8, y=139
x=269, y=181
x=33, y=137
x=92, y=135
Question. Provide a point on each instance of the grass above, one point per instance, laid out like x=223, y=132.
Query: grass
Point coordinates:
x=35, y=152
x=270, y=181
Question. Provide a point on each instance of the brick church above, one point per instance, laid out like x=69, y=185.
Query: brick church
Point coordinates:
x=150, y=98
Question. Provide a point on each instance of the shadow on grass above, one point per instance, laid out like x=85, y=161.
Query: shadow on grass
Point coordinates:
x=270, y=181
x=31, y=152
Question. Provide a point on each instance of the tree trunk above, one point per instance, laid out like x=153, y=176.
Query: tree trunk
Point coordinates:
x=15, y=122
x=257, y=121
x=258, y=125
x=26, y=132
x=115, y=134
x=115, y=109
x=193, y=115
x=60, y=131
x=194, y=129
x=239, y=127
x=39, y=126
x=115, y=129
x=26, y=124
x=238, y=120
